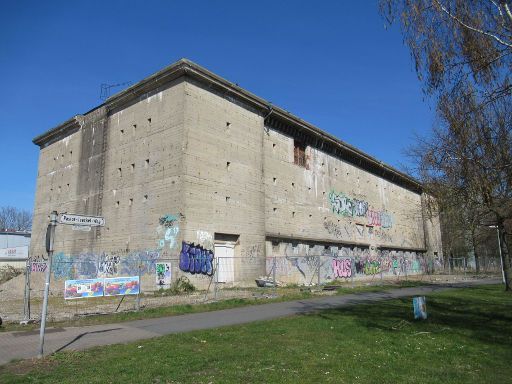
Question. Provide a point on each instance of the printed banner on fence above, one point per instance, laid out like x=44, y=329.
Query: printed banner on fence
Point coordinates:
x=115, y=286
x=163, y=275
x=420, y=307
x=76, y=289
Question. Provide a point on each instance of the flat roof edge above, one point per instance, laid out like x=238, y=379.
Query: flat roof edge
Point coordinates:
x=185, y=67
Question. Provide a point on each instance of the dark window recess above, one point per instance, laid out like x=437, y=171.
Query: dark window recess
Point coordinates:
x=299, y=154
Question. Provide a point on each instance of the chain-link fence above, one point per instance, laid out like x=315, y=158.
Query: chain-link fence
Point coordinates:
x=88, y=285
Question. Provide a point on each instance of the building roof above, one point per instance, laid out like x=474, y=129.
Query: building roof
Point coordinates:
x=275, y=117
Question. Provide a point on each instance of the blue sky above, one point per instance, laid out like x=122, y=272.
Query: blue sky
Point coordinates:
x=332, y=63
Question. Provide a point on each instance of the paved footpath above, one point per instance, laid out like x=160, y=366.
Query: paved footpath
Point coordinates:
x=23, y=345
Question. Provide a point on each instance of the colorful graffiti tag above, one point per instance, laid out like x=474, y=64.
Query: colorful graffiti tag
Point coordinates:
x=167, y=231
x=343, y=205
x=196, y=259
x=343, y=262
x=91, y=266
x=342, y=268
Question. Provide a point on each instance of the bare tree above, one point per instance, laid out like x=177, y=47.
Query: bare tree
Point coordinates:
x=462, y=50
x=15, y=219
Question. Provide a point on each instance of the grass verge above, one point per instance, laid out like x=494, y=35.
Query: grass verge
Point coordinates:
x=466, y=339
x=262, y=296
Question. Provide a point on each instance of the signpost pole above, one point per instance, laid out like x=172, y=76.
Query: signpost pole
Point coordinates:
x=50, y=235
x=26, y=297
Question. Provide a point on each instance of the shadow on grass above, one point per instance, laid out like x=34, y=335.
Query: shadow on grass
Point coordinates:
x=486, y=315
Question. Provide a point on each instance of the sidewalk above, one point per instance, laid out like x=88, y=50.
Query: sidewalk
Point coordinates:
x=23, y=345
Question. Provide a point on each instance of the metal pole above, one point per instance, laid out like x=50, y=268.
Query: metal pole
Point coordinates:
x=501, y=260
x=352, y=268
x=138, y=293
x=319, y=263
x=380, y=267
x=26, y=297
x=50, y=235
x=216, y=278
x=274, y=277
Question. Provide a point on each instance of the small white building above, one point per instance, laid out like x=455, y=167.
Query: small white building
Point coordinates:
x=14, y=247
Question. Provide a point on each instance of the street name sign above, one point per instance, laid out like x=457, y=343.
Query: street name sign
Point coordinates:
x=90, y=221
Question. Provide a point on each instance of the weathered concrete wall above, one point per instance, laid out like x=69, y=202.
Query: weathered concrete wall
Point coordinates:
x=333, y=201
x=124, y=165
x=186, y=163
x=223, y=171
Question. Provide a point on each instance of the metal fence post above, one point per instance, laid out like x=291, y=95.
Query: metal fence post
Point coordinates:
x=140, y=288
x=380, y=267
x=319, y=265
x=352, y=268
x=216, y=278
x=26, y=296
x=274, y=276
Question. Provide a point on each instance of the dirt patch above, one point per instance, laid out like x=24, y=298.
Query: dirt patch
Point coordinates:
x=23, y=367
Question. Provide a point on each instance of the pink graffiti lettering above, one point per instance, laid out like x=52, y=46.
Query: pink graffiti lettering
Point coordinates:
x=342, y=267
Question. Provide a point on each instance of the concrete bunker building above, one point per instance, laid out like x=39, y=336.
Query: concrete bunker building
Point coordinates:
x=186, y=158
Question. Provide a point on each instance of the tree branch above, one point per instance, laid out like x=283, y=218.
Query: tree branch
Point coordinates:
x=460, y=22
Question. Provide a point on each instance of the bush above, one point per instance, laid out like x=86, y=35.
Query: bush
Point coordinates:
x=181, y=285
x=8, y=272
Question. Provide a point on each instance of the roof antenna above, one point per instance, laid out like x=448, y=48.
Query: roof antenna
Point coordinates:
x=105, y=89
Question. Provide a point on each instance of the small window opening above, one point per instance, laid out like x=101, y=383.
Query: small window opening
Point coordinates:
x=119, y=172
x=132, y=166
x=149, y=120
x=299, y=154
x=274, y=180
x=146, y=163
x=228, y=163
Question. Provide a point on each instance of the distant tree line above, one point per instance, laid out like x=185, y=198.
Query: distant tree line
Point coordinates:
x=462, y=51
x=12, y=218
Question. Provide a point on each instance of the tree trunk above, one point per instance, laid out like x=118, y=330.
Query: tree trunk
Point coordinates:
x=505, y=256
x=475, y=254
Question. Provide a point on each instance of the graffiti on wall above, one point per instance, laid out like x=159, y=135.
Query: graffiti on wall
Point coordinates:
x=337, y=230
x=38, y=267
x=205, y=239
x=252, y=253
x=196, y=259
x=107, y=265
x=342, y=268
x=167, y=231
x=90, y=265
x=307, y=262
x=343, y=205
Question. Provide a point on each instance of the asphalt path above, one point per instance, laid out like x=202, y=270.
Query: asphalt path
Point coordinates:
x=24, y=344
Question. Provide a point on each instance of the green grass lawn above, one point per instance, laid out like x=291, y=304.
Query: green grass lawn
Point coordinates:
x=466, y=339
x=261, y=297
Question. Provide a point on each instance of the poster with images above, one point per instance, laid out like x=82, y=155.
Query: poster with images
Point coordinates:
x=420, y=308
x=163, y=275
x=76, y=289
x=122, y=286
